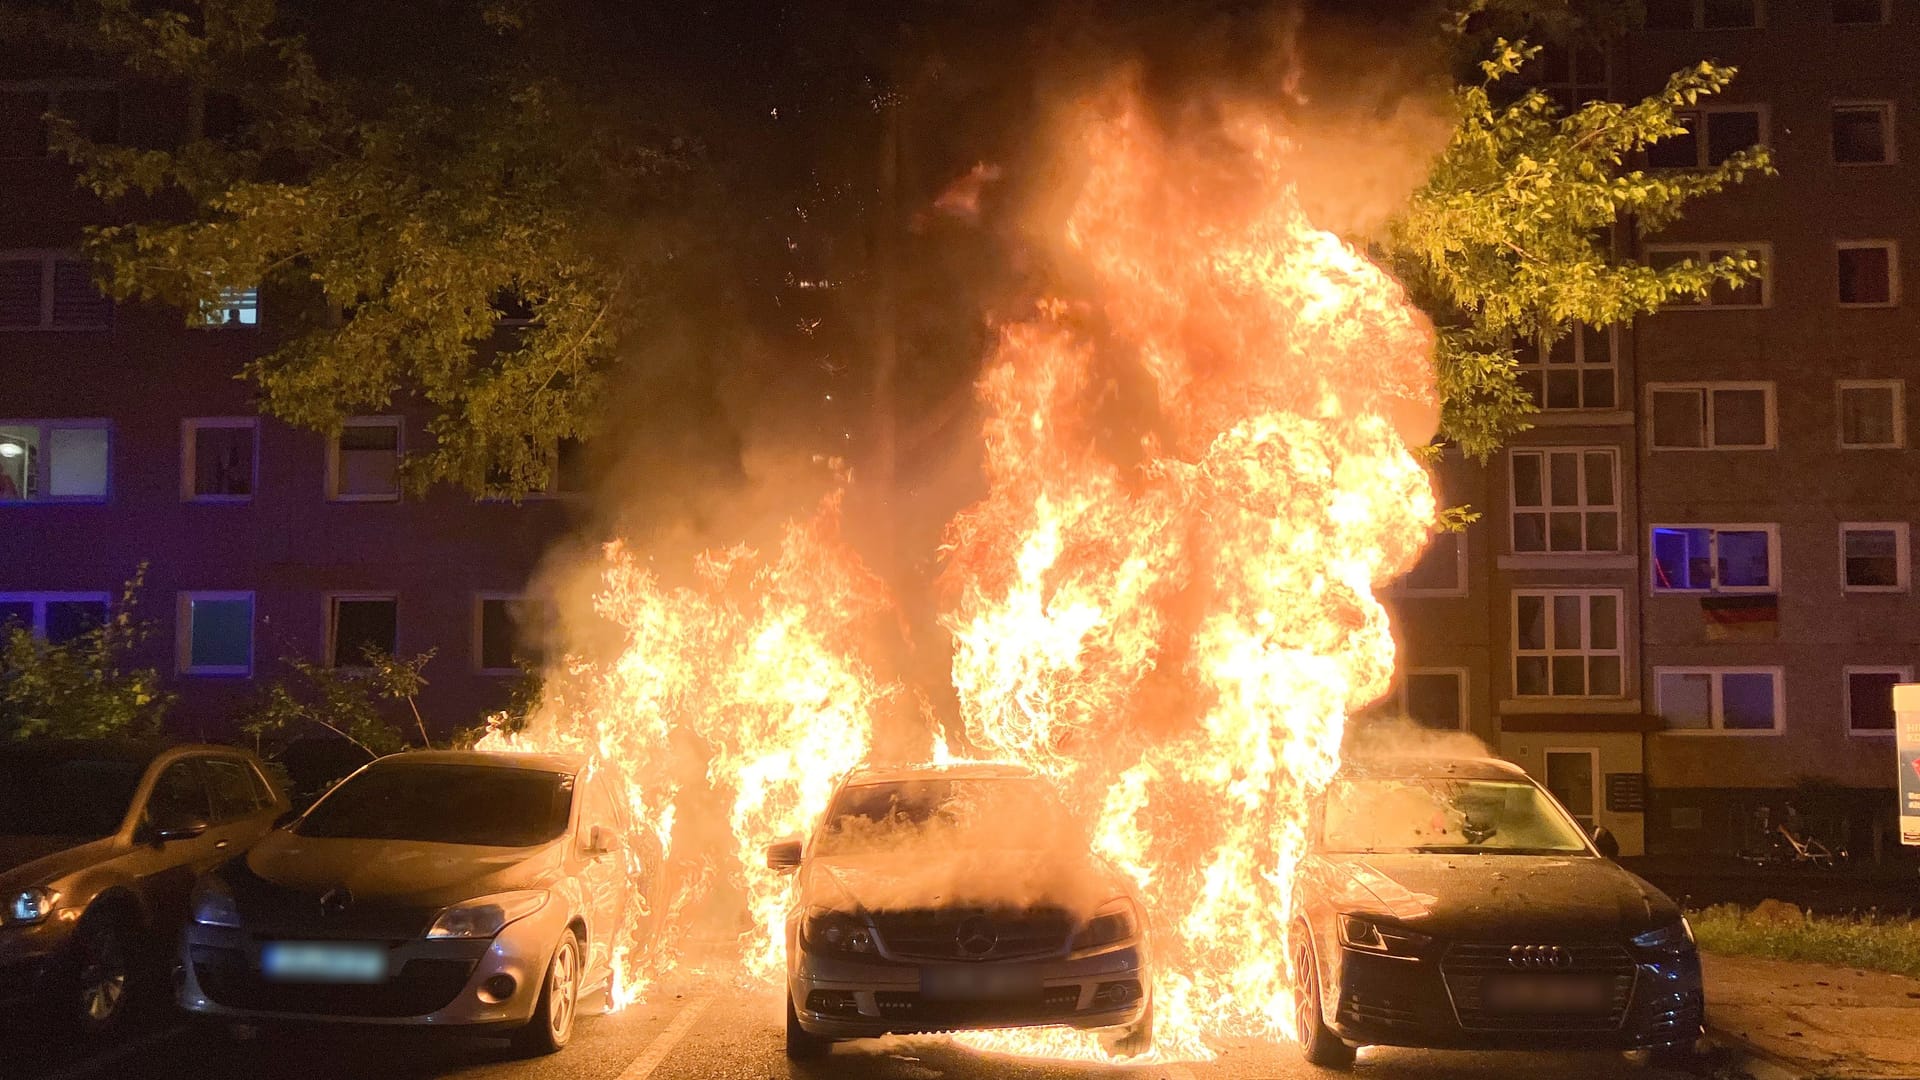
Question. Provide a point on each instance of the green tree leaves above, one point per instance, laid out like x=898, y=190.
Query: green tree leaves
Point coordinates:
x=84, y=687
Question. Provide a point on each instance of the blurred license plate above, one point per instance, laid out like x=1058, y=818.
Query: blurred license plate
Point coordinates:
x=979, y=981
x=1548, y=995
x=323, y=961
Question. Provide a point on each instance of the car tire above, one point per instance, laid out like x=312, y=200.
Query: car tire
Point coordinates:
x=551, y=1026
x=97, y=992
x=1134, y=1039
x=1318, y=1044
x=803, y=1045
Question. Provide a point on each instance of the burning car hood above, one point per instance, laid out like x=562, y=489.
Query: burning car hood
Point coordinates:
x=1501, y=897
x=1078, y=883
x=399, y=872
x=34, y=860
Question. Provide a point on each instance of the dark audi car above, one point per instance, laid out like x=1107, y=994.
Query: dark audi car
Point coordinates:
x=1454, y=903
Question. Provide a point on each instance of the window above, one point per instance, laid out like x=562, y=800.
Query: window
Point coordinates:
x=236, y=307
x=1575, y=372
x=93, y=108
x=1713, y=135
x=54, y=616
x=357, y=624
x=54, y=460
x=1752, y=293
x=1873, y=414
x=1442, y=569
x=1565, y=500
x=1863, y=133
x=1858, y=12
x=1569, y=76
x=1715, y=558
x=566, y=475
x=1870, y=698
x=499, y=618
x=50, y=290
x=1873, y=556
x=179, y=797
x=216, y=633
x=1711, y=416
x=1724, y=700
x=364, y=465
x=1566, y=643
x=1869, y=273
x=1435, y=698
x=218, y=460
x=1702, y=14
x=231, y=787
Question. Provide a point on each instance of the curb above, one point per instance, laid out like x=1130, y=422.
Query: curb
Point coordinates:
x=1747, y=1058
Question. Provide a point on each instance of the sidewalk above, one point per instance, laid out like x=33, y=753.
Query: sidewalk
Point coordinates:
x=1810, y=1020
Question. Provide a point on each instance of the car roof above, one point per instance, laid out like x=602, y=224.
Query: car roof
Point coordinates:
x=133, y=751
x=959, y=770
x=1407, y=766
x=557, y=763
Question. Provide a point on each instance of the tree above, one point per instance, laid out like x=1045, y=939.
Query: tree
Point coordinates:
x=357, y=705
x=83, y=687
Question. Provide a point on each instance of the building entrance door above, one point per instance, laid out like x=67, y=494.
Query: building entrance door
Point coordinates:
x=1573, y=776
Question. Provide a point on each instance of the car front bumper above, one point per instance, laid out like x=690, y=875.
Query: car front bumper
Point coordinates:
x=1388, y=1001
x=843, y=998
x=29, y=957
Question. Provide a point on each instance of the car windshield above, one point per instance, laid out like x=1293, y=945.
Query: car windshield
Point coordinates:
x=85, y=798
x=1444, y=814
x=445, y=804
x=962, y=813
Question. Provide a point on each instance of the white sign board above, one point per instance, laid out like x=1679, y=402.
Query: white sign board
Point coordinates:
x=1906, y=727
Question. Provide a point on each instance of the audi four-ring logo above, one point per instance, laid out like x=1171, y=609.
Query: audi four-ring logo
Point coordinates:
x=1539, y=958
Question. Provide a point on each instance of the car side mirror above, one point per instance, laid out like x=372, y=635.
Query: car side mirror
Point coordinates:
x=784, y=855
x=1606, y=842
x=286, y=818
x=602, y=841
x=185, y=828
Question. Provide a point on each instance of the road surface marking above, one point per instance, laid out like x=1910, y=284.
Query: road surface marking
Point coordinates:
x=102, y=1060
x=663, y=1043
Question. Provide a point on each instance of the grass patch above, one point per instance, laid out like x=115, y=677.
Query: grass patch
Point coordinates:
x=1857, y=941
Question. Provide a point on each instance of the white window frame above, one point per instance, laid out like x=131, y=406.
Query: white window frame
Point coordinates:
x=399, y=426
x=1901, y=672
x=1514, y=652
x=1700, y=20
x=1889, y=131
x=1461, y=676
x=330, y=618
x=1580, y=365
x=1901, y=559
x=1702, y=154
x=1458, y=589
x=1706, y=418
x=1546, y=510
x=40, y=600
x=183, y=631
x=1592, y=754
x=479, y=626
x=1772, y=530
x=1899, y=388
x=189, y=450
x=213, y=316
x=1885, y=6
x=1716, y=712
x=47, y=258
x=1892, y=248
x=1760, y=250
x=46, y=425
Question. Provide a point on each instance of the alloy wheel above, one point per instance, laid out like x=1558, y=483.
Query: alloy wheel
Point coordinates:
x=103, y=976
x=1305, y=994
x=562, y=989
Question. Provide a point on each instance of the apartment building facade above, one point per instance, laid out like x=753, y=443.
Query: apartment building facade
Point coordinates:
x=1693, y=574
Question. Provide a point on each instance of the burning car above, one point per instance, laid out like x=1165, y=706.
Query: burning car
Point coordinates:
x=1454, y=903
x=479, y=891
x=961, y=897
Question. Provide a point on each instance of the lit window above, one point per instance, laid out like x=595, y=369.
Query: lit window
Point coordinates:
x=1751, y=293
x=501, y=625
x=54, y=616
x=1435, y=698
x=216, y=633
x=54, y=460
x=364, y=460
x=1719, y=700
x=217, y=459
x=1872, y=414
x=1873, y=556
x=1566, y=644
x=1575, y=372
x=1565, y=500
x=1870, y=697
x=1869, y=272
x=1715, y=558
x=361, y=625
x=1711, y=416
x=1713, y=135
x=236, y=307
x=50, y=290
x=1863, y=133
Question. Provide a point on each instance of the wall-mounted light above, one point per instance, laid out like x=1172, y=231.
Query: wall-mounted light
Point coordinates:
x=11, y=449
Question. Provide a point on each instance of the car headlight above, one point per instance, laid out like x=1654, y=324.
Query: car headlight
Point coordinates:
x=1385, y=939
x=1117, y=920
x=29, y=906
x=213, y=904
x=1675, y=937
x=824, y=930
x=485, y=916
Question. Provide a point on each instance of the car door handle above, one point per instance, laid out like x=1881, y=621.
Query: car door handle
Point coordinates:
x=218, y=844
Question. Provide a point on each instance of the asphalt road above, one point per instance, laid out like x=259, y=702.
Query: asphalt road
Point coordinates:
x=706, y=1027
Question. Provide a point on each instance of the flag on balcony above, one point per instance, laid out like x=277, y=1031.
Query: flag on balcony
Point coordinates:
x=1748, y=617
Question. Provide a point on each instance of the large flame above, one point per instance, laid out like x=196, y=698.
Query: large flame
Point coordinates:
x=1198, y=466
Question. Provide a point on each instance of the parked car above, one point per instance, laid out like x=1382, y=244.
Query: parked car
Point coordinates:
x=99, y=846
x=444, y=889
x=958, y=897
x=1455, y=903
